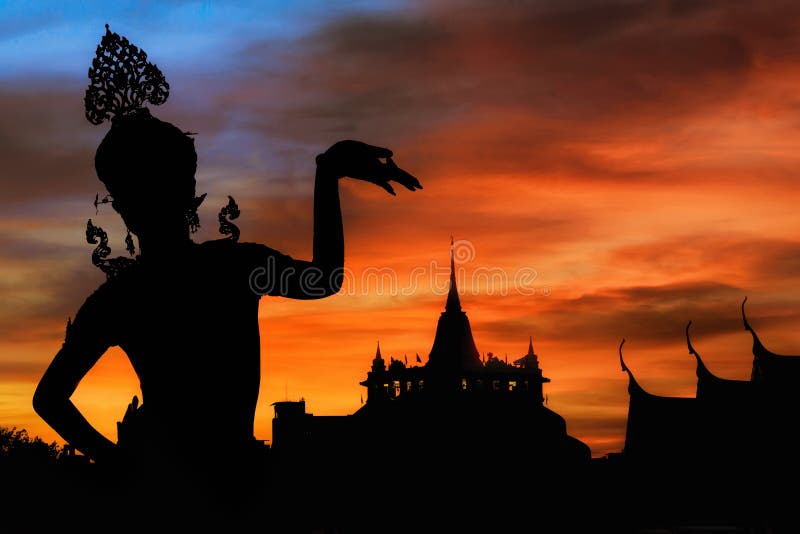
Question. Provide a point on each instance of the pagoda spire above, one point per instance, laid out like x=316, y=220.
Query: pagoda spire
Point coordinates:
x=453, y=302
x=378, y=352
x=529, y=360
x=453, y=347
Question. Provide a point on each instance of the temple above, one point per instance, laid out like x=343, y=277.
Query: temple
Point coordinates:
x=720, y=459
x=454, y=406
x=735, y=428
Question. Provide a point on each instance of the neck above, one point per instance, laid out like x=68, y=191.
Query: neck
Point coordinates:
x=165, y=245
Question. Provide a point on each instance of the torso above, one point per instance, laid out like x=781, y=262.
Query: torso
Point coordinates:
x=190, y=329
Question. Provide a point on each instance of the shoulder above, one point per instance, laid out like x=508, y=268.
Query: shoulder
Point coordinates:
x=238, y=249
x=108, y=292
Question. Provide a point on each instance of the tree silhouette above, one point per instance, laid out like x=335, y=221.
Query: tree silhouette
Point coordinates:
x=17, y=447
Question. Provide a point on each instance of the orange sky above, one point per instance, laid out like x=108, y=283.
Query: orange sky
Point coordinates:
x=640, y=158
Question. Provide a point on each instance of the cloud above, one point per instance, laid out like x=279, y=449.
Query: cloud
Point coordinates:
x=758, y=261
x=45, y=156
x=43, y=283
x=530, y=83
x=13, y=371
x=650, y=314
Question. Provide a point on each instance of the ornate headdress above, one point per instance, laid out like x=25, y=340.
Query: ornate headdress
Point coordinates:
x=121, y=82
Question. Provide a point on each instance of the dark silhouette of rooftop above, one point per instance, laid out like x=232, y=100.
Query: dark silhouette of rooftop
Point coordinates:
x=457, y=443
x=451, y=426
x=717, y=456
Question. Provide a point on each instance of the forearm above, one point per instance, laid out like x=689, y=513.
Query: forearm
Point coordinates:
x=51, y=401
x=328, y=232
x=70, y=424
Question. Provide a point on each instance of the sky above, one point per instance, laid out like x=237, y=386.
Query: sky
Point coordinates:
x=608, y=169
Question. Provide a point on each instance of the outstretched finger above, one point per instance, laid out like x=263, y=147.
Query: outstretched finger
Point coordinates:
x=400, y=176
x=389, y=189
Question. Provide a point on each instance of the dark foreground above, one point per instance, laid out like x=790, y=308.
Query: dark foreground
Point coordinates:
x=497, y=493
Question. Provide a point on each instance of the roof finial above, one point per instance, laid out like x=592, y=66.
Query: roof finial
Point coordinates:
x=378, y=352
x=744, y=318
x=633, y=385
x=453, y=302
x=758, y=348
x=621, y=361
x=530, y=346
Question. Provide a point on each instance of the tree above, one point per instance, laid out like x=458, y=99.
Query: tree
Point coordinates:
x=19, y=449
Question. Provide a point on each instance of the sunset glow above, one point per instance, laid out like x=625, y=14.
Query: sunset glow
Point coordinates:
x=609, y=168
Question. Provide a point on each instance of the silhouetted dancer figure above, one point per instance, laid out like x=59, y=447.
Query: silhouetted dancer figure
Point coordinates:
x=186, y=314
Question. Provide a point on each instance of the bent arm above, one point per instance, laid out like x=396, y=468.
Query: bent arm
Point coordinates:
x=328, y=232
x=277, y=274
x=323, y=275
x=87, y=339
x=52, y=402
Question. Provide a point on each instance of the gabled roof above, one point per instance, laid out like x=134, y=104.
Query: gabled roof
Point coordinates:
x=769, y=367
x=712, y=387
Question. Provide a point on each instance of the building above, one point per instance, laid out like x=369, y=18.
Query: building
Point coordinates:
x=725, y=456
x=454, y=425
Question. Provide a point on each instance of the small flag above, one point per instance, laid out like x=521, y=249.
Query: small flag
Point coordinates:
x=418, y=358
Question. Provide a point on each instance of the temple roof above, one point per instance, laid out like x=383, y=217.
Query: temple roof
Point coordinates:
x=453, y=303
x=529, y=360
x=769, y=366
x=656, y=424
x=712, y=387
x=378, y=364
x=633, y=386
x=453, y=347
x=637, y=391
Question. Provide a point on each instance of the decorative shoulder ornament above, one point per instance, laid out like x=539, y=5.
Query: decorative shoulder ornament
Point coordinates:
x=112, y=267
x=228, y=213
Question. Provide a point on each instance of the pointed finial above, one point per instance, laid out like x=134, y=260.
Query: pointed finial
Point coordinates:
x=758, y=347
x=689, y=343
x=530, y=346
x=453, y=302
x=378, y=352
x=744, y=318
x=621, y=361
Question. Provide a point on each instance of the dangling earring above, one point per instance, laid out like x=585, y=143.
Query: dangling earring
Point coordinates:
x=192, y=220
x=129, y=244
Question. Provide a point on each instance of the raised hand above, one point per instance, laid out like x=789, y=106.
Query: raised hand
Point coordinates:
x=363, y=162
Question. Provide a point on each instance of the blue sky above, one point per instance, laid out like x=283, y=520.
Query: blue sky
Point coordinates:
x=54, y=38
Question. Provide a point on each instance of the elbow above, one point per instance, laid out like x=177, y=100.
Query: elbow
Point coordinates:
x=45, y=403
x=321, y=292
x=328, y=284
x=334, y=282
x=41, y=402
